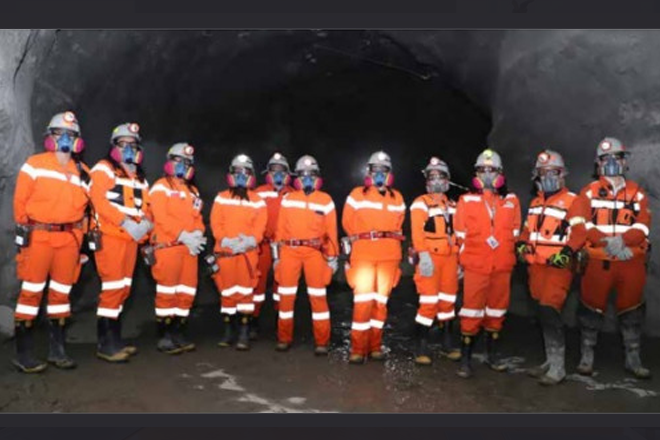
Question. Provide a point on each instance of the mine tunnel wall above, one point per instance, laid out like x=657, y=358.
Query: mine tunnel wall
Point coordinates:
x=563, y=90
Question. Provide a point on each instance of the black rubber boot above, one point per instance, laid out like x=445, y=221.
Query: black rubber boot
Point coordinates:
x=57, y=342
x=631, y=331
x=449, y=349
x=130, y=349
x=590, y=324
x=493, y=356
x=422, y=352
x=555, y=346
x=465, y=369
x=228, y=331
x=166, y=342
x=25, y=360
x=107, y=347
x=254, y=328
x=179, y=334
x=243, y=341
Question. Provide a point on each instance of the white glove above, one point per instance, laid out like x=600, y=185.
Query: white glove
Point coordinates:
x=333, y=262
x=194, y=241
x=426, y=266
x=232, y=243
x=144, y=227
x=247, y=242
x=614, y=245
x=132, y=228
x=625, y=254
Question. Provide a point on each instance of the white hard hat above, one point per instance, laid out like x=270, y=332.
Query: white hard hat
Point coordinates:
x=242, y=160
x=307, y=163
x=66, y=120
x=278, y=159
x=182, y=149
x=128, y=129
x=610, y=145
x=549, y=159
x=436, y=164
x=380, y=158
x=489, y=158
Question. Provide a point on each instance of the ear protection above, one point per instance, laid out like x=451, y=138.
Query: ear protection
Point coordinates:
x=497, y=183
x=285, y=182
x=117, y=155
x=50, y=144
x=389, y=180
x=170, y=170
x=251, y=181
x=298, y=183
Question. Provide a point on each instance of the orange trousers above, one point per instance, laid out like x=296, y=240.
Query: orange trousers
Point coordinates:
x=485, y=301
x=265, y=263
x=317, y=276
x=626, y=277
x=549, y=285
x=437, y=293
x=372, y=283
x=115, y=263
x=54, y=255
x=175, y=273
x=236, y=281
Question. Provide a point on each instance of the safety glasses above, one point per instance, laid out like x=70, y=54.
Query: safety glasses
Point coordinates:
x=378, y=169
x=241, y=170
x=125, y=144
x=61, y=131
x=615, y=156
x=486, y=169
x=549, y=172
x=183, y=160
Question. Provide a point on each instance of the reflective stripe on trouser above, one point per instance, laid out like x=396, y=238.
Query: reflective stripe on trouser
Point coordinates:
x=235, y=283
x=437, y=292
x=175, y=273
x=627, y=278
x=39, y=261
x=549, y=285
x=115, y=263
x=373, y=285
x=265, y=263
x=317, y=276
x=485, y=301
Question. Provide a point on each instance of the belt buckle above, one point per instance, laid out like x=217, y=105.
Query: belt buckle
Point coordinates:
x=295, y=243
x=373, y=235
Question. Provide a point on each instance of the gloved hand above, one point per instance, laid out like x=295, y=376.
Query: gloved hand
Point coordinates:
x=614, y=245
x=333, y=262
x=232, y=243
x=522, y=249
x=426, y=266
x=144, y=227
x=132, y=228
x=194, y=241
x=561, y=259
x=246, y=242
x=625, y=254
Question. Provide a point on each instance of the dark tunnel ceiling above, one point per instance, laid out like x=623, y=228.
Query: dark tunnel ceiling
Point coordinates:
x=336, y=94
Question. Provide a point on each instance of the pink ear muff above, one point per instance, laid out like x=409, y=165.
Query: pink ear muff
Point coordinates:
x=169, y=168
x=50, y=144
x=115, y=153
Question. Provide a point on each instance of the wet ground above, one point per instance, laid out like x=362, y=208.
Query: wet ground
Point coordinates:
x=212, y=379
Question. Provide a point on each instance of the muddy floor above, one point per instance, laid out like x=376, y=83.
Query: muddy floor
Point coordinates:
x=212, y=379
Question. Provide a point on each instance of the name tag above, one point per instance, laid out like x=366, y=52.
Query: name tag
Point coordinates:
x=492, y=242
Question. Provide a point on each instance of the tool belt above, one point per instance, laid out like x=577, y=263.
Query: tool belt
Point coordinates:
x=54, y=227
x=148, y=251
x=377, y=235
x=315, y=243
x=224, y=254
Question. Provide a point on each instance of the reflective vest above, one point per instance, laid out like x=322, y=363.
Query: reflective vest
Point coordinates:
x=625, y=214
x=431, y=224
x=367, y=210
x=549, y=225
x=273, y=199
x=116, y=196
x=174, y=207
x=232, y=216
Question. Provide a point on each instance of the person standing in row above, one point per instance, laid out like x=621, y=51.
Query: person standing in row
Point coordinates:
x=119, y=193
x=238, y=222
x=487, y=224
x=177, y=239
x=306, y=238
x=372, y=219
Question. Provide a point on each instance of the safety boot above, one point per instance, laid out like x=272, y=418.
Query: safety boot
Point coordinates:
x=631, y=330
x=356, y=359
x=377, y=355
x=57, y=341
x=321, y=350
x=590, y=323
x=422, y=354
x=107, y=346
x=449, y=349
x=465, y=369
x=243, y=341
x=493, y=357
x=282, y=346
x=555, y=347
x=179, y=334
x=254, y=328
x=25, y=360
x=165, y=342
x=228, y=323
x=130, y=349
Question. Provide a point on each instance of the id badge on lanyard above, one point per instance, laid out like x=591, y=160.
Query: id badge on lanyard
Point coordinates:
x=491, y=241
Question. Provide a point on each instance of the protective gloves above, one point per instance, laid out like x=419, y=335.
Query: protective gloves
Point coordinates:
x=614, y=245
x=625, y=254
x=194, y=241
x=246, y=242
x=333, y=262
x=561, y=259
x=232, y=243
x=522, y=249
x=133, y=229
x=145, y=226
x=426, y=265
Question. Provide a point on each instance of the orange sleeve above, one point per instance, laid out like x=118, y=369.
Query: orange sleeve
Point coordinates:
x=641, y=228
x=594, y=236
x=281, y=221
x=418, y=217
x=459, y=221
x=217, y=222
x=524, y=232
x=165, y=221
x=199, y=223
x=331, y=232
x=348, y=216
x=517, y=217
x=101, y=183
x=401, y=215
x=577, y=217
x=261, y=221
x=24, y=187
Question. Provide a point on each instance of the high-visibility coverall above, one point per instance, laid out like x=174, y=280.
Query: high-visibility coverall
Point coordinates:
x=626, y=213
x=374, y=269
x=551, y=224
x=273, y=199
x=48, y=193
x=238, y=274
x=116, y=195
x=431, y=223
x=486, y=225
x=175, y=207
x=305, y=217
